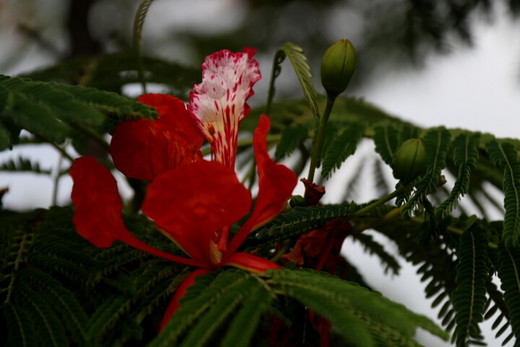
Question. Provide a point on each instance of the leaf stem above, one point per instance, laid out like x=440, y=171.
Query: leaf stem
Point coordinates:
x=318, y=140
x=278, y=59
x=17, y=262
x=376, y=203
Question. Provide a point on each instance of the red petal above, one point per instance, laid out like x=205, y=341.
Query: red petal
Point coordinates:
x=250, y=262
x=98, y=209
x=194, y=202
x=98, y=204
x=144, y=149
x=276, y=183
x=174, y=304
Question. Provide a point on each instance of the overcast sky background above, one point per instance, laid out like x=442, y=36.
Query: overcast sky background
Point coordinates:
x=475, y=88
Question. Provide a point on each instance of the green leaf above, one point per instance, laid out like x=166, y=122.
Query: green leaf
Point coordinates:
x=292, y=138
x=33, y=116
x=465, y=157
x=199, y=301
x=375, y=248
x=296, y=222
x=48, y=326
x=246, y=320
x=504, y=156
x=386, y=139
x=19, y=323
x=107, y=315
x=61, y=299
x=112, y=72
x=509, y=273
x=220, y=312
x=303, y=72
x=23, y=164
x=342, y=147
x=55, y=111
x=469, y=296
x=359, y=315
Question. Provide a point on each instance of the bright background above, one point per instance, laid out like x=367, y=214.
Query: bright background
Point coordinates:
x=476, y=88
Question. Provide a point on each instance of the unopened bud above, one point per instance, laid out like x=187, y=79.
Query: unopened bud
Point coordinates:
x=297, y=200
x=410, y=160
x=337, y=67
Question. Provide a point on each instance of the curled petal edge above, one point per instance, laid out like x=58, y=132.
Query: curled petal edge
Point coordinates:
x=276, y=183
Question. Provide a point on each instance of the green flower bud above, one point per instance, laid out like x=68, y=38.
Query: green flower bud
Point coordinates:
x=297, y=200
x=337, y=67
x=410, y=160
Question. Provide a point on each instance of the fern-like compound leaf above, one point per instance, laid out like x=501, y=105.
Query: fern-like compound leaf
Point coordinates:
x=292, y=138
x=509, y=273
x=48, y=326
x=341, y=148
x=220, y=312
x=20, y=331
x=361, y=316
x=373, y=247
x=303, y=72
x=386, y=139
x=504, y=155
x=246, y=320
x=200, y=300
x=51, y=111
x=469, y=297
x=112, y=72
x=22, y=164
x=62, y=300
x=465, y=157
x=296, y=222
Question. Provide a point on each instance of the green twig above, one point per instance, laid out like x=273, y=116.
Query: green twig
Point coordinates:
x=17, y=262
x=278, y=59
x=377, y=203
x=318, y=140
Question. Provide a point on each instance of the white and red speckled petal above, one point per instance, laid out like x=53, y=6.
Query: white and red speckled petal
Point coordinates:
x=218, y=104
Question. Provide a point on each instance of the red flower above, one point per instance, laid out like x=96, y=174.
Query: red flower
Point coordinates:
x=192, y=201
x=193, y=204
x=144, y=149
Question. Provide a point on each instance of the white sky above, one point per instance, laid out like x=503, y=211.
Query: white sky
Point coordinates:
x=474, y=88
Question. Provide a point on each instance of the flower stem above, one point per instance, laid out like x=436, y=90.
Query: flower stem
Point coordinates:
x=318, y=140
x=377, y=203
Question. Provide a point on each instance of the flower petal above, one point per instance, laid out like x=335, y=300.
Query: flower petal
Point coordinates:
x=218, y=104
x=174, y=304
x=194, y=202
x=98, y=209
x=249, y=262
x=276, y=183
x=144, y=149
x=98, y=204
